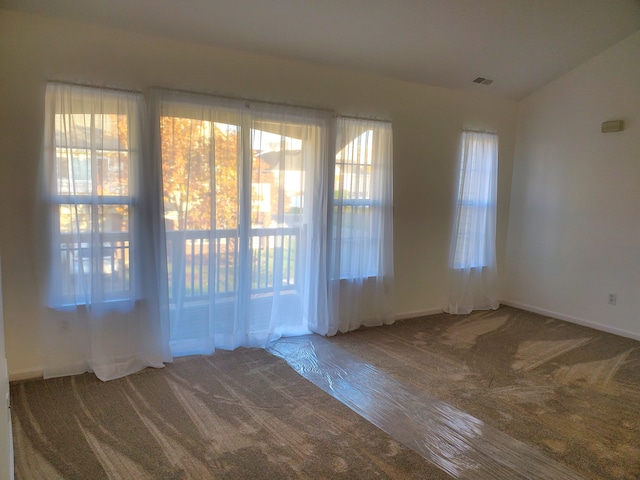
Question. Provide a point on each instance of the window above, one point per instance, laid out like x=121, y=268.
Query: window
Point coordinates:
x=474, y=229
x=221, y=239
x=90, y=154
x=241, y=188
x=362, y=196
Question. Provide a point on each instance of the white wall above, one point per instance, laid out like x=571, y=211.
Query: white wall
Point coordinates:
x=574, y=224
x=6, y=438
x=427, y=123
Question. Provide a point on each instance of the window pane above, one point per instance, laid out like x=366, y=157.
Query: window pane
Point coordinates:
x=354, y=208
x=353, y=168
x=113, y=172
x=80, y=257
x=111, y=132
x=277, y=199
x=75, y=219
x=189, y=150
x=200, y=166
x=83, y=141
x=114, y=255
x=277, y=180
x=113, y=218
x=226, y=175
x=73, y=130
x=73, y=171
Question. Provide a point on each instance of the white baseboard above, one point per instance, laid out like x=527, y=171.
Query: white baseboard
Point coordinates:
x=26, y=374
x=419, y=313
x=569, y=318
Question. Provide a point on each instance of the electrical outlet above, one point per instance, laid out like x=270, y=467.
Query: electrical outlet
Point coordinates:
x=613, y=298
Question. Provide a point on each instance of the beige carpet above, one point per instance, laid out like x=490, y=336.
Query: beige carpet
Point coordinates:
x=571, y=392
x=233, y=415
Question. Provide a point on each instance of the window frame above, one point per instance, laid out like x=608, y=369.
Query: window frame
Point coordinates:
x=376, y=206
x=468, y=199
x=66, y=247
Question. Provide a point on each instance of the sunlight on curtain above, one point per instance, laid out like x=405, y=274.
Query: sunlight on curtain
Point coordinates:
x=245, y=192
x=473, y=276
x=102, y=312
x=361, y=249
x=247, y=222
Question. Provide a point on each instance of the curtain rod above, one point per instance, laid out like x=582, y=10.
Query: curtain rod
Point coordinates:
x=100, y=87
x=243, y=99
x=267, y=102
x=368, y=119
x=492, y=132
x=225, y=97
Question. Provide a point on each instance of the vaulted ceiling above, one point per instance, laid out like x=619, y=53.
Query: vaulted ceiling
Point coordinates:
x=520, y=44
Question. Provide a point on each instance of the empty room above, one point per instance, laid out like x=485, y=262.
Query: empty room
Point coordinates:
x=304, y=239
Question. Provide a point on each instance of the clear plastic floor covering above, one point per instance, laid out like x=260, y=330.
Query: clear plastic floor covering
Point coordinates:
x=458, y=443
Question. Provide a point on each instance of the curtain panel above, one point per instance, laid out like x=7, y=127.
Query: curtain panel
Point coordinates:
x=202, y=222
x=245, y=195
x=361, y=237
x=102, y=310
x=472, y=262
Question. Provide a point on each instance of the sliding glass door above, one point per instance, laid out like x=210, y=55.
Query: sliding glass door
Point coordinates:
x=244, y=194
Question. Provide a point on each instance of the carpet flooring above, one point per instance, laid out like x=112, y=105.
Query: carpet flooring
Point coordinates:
x=570, y=392
x=501, y=394
x=460, y=444
x=233, y=415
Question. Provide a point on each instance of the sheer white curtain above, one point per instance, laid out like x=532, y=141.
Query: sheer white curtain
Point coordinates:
x=229, y=223
x=361, y=237
x=102, y=311
x=245, y=194
x=472, y=262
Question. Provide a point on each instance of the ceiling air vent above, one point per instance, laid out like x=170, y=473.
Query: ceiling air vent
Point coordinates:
x=483, y=81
